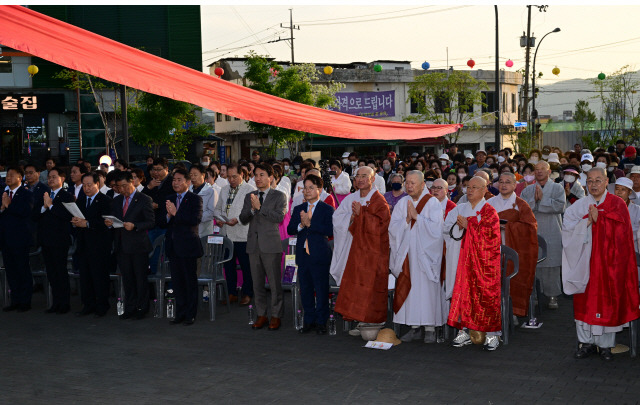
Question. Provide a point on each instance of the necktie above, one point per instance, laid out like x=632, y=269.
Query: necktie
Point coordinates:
x=306, y=242
x=88, y=202
x=126, y=206
x=178, y=199
x=10, y=195
x=261, y=197
x=53, y=195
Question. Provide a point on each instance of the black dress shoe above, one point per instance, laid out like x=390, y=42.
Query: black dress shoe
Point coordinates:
x=24, y=307
x=85, y=311
x=189, y=321
x=51, y=310
x=321, y=330
x=307, y=328
x=605, y=353
x=585, y=351
x=177, y=321
x=126, y=315
x=11, y=307
x=63, y=309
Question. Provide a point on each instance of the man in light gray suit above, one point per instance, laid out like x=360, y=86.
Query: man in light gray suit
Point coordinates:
x=263, y=210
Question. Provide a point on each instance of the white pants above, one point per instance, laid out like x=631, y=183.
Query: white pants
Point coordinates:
x=606, y=340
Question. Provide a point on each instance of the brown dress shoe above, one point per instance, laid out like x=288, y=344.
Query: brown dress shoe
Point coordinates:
x=260, y=322
x=274, y=324
x=246, y=300
x=233, y=298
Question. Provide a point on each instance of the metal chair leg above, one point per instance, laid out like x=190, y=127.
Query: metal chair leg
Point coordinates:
x=633, y=337
x=212, y=303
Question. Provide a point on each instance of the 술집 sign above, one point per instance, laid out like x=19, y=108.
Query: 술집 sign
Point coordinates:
x=19, y=103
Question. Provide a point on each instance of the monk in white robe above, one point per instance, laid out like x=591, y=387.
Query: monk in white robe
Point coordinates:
x=415, y=235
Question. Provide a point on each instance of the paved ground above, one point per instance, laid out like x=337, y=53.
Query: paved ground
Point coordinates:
x=64, y=359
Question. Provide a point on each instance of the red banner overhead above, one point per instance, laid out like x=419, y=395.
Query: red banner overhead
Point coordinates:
x=78, y=49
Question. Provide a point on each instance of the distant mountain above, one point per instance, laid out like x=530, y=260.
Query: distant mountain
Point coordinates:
x=561, y=96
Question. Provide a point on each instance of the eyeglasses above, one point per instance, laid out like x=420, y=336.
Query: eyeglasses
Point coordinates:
x=504, y=182
x=596, y=182
x=362, y=176
x=437, y=188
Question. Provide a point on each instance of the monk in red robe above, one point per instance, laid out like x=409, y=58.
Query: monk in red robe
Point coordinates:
x=599, y=266
x=360, y=263
x=521, y=235
x=472, y=233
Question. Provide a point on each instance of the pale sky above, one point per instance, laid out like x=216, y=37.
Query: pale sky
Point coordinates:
x=593, y=38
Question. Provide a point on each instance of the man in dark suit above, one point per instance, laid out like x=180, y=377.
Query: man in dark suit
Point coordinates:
x=54, y=236
x=15, y=217
x=182, y=244
x=94, y=247
x=132, y=245
x=33, y=184
x=263, y=210
x=312, y=222
x=159, y=187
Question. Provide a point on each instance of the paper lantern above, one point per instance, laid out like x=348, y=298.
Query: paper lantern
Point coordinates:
x=218, y=71
x=471, y=63
x=32, y=69
x=328, y=70
x=509, y=63
x=426, y=65
x=601, y=76
x=377, y=68
x=556, y=71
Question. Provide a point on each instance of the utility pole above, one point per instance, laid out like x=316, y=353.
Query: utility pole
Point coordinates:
x=291, y=28
x=498, y=95
x=525, y=103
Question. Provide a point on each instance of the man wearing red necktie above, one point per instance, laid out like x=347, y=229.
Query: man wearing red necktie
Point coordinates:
x=132, y=245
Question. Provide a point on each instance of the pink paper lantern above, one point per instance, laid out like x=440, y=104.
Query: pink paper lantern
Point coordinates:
x=509, y=63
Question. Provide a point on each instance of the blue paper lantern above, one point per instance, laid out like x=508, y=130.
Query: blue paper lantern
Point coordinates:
x=426, y=65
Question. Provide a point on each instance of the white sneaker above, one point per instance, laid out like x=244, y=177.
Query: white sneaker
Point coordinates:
x=491, y=343
x=413, y=334
x=354, y=332
x=553, y=303
x=462, y=339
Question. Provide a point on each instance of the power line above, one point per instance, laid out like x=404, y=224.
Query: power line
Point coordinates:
x=389, y=18
x=241, y=39
x=365, y=15
x=249, y=29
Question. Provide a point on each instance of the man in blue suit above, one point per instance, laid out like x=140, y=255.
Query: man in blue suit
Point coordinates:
x=312, y=222
x=15, y=234
x=182, y=244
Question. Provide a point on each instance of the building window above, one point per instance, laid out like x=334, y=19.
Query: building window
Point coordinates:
x=462, y=102
x=236, y=119
x=440, y=103
x=504, y=102
x=513, y=103
x=5, y=64
x=227, y=118
x=489, y=101
x=414, y=107
x=218, y=117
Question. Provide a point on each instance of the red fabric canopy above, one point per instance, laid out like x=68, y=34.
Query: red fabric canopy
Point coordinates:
x=78, y=49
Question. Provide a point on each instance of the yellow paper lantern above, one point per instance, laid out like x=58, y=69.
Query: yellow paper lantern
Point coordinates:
x=556, y=71
x=32, y=69
x=328, y=70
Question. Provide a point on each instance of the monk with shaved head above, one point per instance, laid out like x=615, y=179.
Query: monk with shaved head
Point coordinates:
x=472, y=233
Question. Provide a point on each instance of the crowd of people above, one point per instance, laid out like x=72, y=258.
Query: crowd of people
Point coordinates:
x=429, y=227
